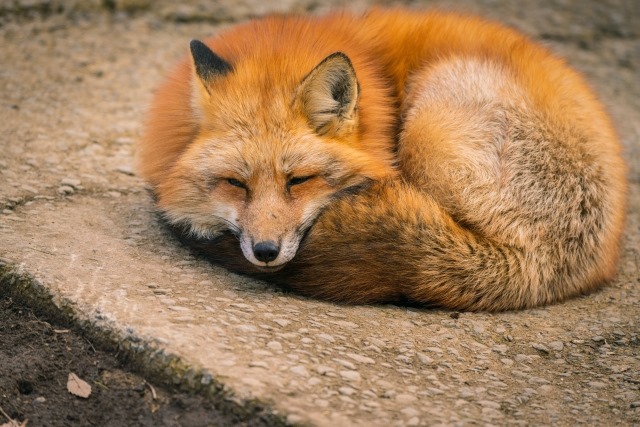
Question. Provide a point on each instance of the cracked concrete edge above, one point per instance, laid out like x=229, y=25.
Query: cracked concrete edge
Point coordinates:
x=139, y=355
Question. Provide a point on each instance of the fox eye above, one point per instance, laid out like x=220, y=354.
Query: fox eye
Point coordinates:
x=236, y=183
x=298, y=180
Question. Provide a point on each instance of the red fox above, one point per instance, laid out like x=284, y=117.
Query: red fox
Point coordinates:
x=395, y=155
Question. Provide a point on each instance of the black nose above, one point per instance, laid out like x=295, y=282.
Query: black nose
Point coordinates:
x=266, y=251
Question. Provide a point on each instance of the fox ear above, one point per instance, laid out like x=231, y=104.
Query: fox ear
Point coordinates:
x=329, y=95
x=207, y=64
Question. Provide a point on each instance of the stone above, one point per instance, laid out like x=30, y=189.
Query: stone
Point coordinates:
x=347, y=391
x=597, y=384
x=71, y=182
x=274, y=345
x=300, y=370
x=540, y=347
x=323, y=370
x=353, y=376
x=66, y=190
x=361, y=359
x=556, y=345
x=424, y=358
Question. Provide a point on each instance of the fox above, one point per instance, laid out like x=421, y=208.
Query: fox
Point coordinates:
x=427, y=157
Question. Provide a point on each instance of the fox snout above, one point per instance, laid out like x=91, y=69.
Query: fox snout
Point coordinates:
x=266, y=251
x=269, y=254
x=269, y=236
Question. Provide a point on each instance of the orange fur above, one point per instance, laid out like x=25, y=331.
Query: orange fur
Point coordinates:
x=466, y=167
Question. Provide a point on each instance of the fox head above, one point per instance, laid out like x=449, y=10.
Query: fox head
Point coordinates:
x=273, y=148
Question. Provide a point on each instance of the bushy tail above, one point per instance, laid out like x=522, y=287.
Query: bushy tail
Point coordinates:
x=395, y=243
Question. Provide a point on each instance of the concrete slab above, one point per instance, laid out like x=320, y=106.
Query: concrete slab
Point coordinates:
x=76, y=224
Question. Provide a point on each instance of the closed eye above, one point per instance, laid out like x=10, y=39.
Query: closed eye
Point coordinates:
x=236, y=183
x=299, y=180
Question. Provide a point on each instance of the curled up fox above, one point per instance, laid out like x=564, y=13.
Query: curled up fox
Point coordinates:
x=393, y=155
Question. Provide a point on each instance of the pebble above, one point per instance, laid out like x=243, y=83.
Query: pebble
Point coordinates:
x=345, y=324
x=314, y=381
x=71, y=182
x=372, y=348
x=66, y=190
x=538, y=380
x=300, y=370
x=597, y=384
x=384, y=384
x=258, y=364
x=347, y=399
x=326, y=337
x=247, y=328
x=492, y=413
x=434, y=391
x=346, y=364
x=597, y=338
x=350, y=375
x=556, y=345
x=424, y=358
x=323, y=370
x=500, y=348
x=361, y=359
x=523, y=358
x=540, y=347
x=281, y=322
x=377, y=342
x=347, y=391
x=274, y=345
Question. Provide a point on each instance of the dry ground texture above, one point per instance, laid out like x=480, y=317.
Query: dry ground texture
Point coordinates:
x=79, y=245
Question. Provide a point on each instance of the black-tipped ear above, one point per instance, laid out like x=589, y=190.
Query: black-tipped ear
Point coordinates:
x=207, y=63
x=329, y=94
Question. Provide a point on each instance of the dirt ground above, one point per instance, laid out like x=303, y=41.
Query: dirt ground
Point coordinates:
x=75, y=79
x=36, y=358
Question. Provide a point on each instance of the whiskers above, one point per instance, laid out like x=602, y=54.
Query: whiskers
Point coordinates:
x=201, y=227
x=234, y=229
